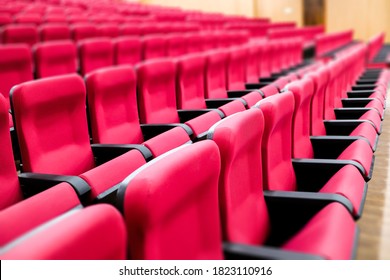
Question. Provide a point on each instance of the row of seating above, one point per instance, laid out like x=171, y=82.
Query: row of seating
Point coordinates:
x=154, y=232
x=325, y=44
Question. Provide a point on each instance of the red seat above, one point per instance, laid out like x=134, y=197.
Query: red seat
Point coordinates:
x=55, y=58
x=108, y=30
x=176, y=45
x=19, y=33
x=285, y=225
x=54, y=31
x=127, y=50
x=94, y=54
x=81, y=31
x=153, y=46
x=175, y=230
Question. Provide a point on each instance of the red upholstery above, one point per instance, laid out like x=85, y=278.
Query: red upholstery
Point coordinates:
x=176, y=45
x=252, y=98
x=253, y=64
x=156, y=91
x=167, y=141
x=232, y=107
x=190, y=82
x=130, y=29
x=201, y=124
x=96, y=232
x=108, y=30
x=28, y=18
x=269, y=90
x=216, y=63
x=19, y=33
x=55, y=58
x=112, y=105
x=54, y=31
x=167, y=213
x=94, y=54
x=236, y=68
x=153, y=47
x=127, y=50
x=195, y=42
x=81, y=31
x=15, y=67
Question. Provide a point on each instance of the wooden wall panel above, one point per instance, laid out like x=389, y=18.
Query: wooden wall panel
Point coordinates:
x=281, y=10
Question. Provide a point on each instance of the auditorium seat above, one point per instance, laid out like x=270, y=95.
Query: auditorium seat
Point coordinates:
x=127, y=50
x=129, y=29
x=83, y=30
x=283, y=223
x=19, y=33
x=280, y=144
x=52, y=130
x=95, y=53
x=54, y=31
x=55, y=58
x=28, y=18
x=176, y=45
x=153, y=46
x=108, y=30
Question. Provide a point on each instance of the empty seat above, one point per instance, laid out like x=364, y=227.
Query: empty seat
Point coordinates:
x=127, y=50
x=19, y=33
x=55, y=58
x=95, y=53
x=285, y=225
x=81, y=31
x=54, y=31
x=153, y=47
x=28, y=19
x=129, y=29
x=51, y=125
x=176, y=45
x=15, y=67
x=174, y=230
x=108, y=30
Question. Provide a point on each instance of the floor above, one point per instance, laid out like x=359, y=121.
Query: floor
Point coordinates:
x=374, y=241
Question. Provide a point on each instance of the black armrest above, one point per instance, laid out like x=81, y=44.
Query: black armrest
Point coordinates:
x=364, y=87
x=267, y=80
x=356, y=102
x=152, y=130
x=186, y=115
x=33, y=183
x=106, y=152
x=234, y=251
x=360, y=93
x=367, y=81
x=240, y=93
x=255, y=86
x=351, y=113
x=218, y=102
x=290, y=211
x=343, y=127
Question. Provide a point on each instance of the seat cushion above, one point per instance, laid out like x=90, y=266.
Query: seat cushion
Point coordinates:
x=373, y=116
x=348, y=182
x=330, y=233
x=368, y=131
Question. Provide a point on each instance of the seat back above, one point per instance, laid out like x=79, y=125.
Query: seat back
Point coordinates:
x=166, y=220
x=236, y=68
x=156, y=89
x=54, y=31
x=83, y=30
x=216, y=65
x=15, y=67
x=112, y=106
x=303, y=93
x=108, y=30
x=241, y=197
x=55, y=58
x=95, y=53
x=269, y=90
x=190, y=82
x=130, y=29
x=19, y=33
x=127, y=50
x=51, y=125
x=10, y=192
x=253, y=64
x=176, y=45
x=153, y=46
x=194, y=42
x=278, y=172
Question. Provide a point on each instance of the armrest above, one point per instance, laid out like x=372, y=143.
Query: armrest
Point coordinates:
x=367, y=81
x=240, y=93
x=313, y=174
x=343, y=127
x=364, y=87
x=351, y=113
x=356, y=102
x=256, y=86
x=33, y=183
x=186, y=115
x=106, y=152
x=234, y=251
x=290, y=211
x=267, y=80
x=218, y=102
x=152, y=130
x=360, y=93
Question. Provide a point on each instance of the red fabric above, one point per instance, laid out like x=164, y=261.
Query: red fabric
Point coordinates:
x=16, y=67
x=10, y=191
x=269, y=90
x=108, y=30
x=374, y=117
x=216, y=65
x=190, y=82
x=153, y=46
x=174, y=213
x=95, y=53
x=127, y=50
x=318, y=237
x=57, y=144
x=252, y=98
x=55, y=58
x=82, y=31
x=359, y=151
x=167, y=141
x=253, y=65
x=54, y=32
x=240, y=185
x=156, y=90
x=236, y=68
x=96, y=232
x=368, y=131
x=176, y=45
x=202, y=123
x=10, y=120
x=232, y=107
x=19, y=33
x=112, y=105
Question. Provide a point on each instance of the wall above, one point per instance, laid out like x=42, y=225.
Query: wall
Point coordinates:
x=280, y=10
x=366, y=17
